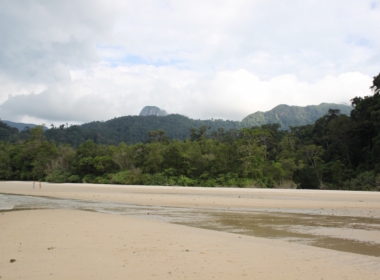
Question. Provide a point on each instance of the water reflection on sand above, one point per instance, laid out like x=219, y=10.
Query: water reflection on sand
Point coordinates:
x=359, y=235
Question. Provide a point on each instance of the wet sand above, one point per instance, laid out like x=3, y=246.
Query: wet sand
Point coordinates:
x=61, y=244
x=341, y=203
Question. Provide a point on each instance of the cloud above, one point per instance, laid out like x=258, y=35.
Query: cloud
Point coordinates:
x=294, y=36
x=42, y=40
x=87, y=60
x=113, y=92
x=57, y=104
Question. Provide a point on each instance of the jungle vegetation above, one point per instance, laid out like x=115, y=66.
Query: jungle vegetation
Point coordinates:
x=134, y=129
x=336, y=152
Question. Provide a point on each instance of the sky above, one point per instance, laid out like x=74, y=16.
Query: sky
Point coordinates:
x=88, y=60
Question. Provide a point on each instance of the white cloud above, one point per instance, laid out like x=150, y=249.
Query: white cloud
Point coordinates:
x=235, y=94
x=87, y=60
x=112, y=92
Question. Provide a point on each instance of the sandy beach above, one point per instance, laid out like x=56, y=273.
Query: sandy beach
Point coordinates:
x=73, y=244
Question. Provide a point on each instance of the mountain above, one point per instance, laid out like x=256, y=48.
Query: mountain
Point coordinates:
x=21, y=126
x=288, y=116
x=7, y=132
x=133, y=129
x=152, y=111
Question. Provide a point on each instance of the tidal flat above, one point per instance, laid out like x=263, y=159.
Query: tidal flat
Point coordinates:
x=240, y=233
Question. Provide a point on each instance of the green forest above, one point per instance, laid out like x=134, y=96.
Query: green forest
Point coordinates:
x=288, y=116
x=336, y=152
x=132, y=129
x=135, y=129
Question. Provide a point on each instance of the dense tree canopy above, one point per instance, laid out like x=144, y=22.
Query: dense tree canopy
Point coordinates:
x=336, y=152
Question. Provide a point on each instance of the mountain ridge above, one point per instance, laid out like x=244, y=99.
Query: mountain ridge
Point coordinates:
x=20, y=126
x=290, y=115
x=134, y=129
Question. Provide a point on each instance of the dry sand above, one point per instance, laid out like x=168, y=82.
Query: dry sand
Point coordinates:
x=65, y=244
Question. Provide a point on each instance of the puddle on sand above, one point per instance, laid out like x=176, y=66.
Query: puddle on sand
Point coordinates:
x=298, y=228
x=341, y=233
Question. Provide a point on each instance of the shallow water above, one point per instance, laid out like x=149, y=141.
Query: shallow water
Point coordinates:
x=350, y=234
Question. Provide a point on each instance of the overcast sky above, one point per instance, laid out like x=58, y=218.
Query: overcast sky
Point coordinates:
x=84, y=60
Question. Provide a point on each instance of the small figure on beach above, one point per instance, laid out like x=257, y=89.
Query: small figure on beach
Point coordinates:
x=34, y=184
x=40, y=184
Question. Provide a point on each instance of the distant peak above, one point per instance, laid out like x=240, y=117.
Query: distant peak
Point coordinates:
x=287, y=116
x=152, y=111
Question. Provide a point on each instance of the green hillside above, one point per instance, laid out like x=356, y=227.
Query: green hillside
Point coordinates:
x=7, y=132
x=134, y=129
x=336, y=152
x=288, y=116
x=12, y=134
x=21, y=126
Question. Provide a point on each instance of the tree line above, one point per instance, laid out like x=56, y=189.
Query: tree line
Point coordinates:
x=336, y=152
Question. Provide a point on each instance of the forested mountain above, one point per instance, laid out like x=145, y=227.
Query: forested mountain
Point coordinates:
x=7, y=132
x=20, y=126
x=12, y=134
x=336, y=152
x=134, y=129
x=288, y=116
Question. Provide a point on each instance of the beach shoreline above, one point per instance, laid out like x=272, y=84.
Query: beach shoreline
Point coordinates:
x=62, y=244
x=340, y=203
